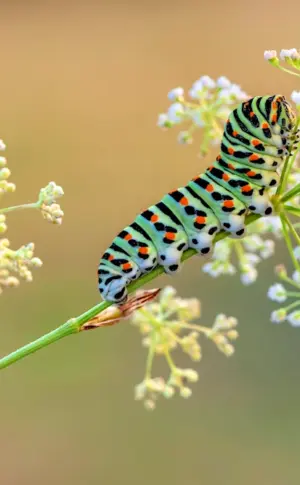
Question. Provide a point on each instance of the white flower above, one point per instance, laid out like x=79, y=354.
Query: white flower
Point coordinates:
x=248, y=274
x=289, y=54
x=294, y=318
x=295, y=96
x=221, y=251
x=270, y=55
x=163, y=120
x=237, y=92
x=278, y=316
x=268, y=249
x=277, y=293
x=252, y=258
x=229, y=269
x=297, y=252
x=185, y=138
x=275, y=225
x=196, y=90
x=212, y=269
x=253, y=242
x=2, y=145
x=296, y=276
x=223, y=82
x=175, y=94
x=175, y=112
x=224, y=95
x=207, y=82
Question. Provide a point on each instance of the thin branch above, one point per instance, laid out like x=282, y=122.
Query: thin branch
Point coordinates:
x=74, y=325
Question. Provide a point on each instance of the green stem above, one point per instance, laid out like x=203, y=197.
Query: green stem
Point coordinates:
x=150, y=356
x=295, y=294
x=74, y=324
x=295, y=211
x=287, y=70
x=292, y=305
x=291, y=193
x=32, y=205
x=285, y=226
x=293, y=230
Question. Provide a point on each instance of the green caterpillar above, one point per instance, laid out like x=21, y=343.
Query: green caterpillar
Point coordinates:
x=256, y=138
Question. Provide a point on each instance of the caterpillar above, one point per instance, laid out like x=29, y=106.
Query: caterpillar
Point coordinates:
x=257, y=136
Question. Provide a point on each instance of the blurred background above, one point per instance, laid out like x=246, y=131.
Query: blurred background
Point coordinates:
x=82, y=84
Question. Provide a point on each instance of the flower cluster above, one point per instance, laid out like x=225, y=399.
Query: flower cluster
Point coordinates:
x=247, y=252
x=278, y=293
x=17, y=264
x=4, y=174
x=166, y=326
x=51, y=211
x=208, y=108
x=287, y=57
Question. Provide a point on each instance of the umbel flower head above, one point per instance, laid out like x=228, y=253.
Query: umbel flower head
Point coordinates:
x=51, y=211
x=166, y=326
x=17, y=264
x=208, y=108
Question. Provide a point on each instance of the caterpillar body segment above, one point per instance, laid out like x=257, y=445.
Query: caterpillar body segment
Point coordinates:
x=258, y=135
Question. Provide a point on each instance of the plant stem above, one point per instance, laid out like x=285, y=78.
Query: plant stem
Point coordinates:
x=295, y=211
x=32, y=205
x=285, y=227
x=291, y=193
x=74, y=324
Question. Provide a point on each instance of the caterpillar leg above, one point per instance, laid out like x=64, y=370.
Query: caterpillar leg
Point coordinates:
x=116, y=271
x=112, y=285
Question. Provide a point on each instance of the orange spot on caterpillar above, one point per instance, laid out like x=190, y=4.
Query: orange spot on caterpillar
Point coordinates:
x=251, y=173
x=235, y=133
x=246, y=188
x=274, y=105
x=231, y=166
x=274, y=118
x=253, y=157
x=252, y=114
x=230, y=150
x=110, y=258
x=183, y=201
x=228, y=203
x=225, y=177
x=200, y=219
x=144, y=250
x=265, y=126
x=128, y=237
x=255, y=142
x=170, y=235
x=209, y=188
x=219, y=157
x=126, y=266
x=154, y=218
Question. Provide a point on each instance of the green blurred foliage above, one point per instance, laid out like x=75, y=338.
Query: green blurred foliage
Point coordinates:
x=81, y=86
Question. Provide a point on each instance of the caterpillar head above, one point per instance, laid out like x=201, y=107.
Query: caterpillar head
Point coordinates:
x=287, y=116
